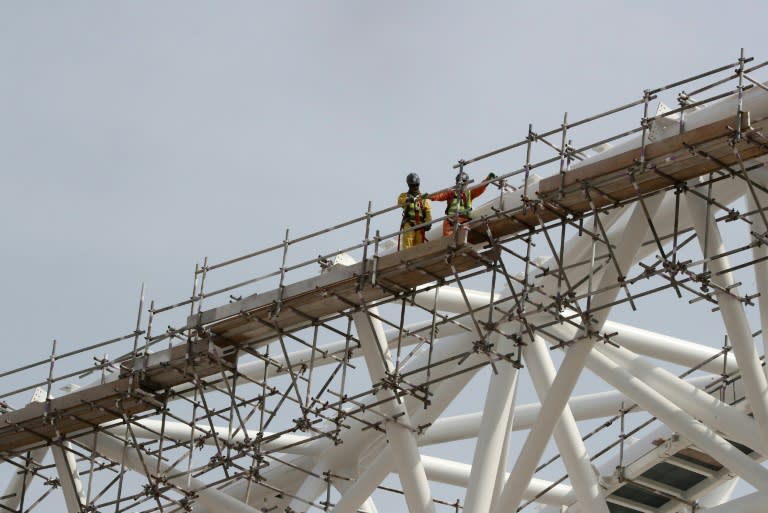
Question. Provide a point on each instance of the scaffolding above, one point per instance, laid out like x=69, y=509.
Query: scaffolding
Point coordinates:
x=292, y=381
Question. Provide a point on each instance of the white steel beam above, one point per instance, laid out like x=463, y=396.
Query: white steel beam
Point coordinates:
x=760, y=256
x=726, y=191
x=722, y=417
x=448, y=472
x=312, y=487
x=732, y=311
x=151, y=428
x=570, y=369
x=670, y=349
x=678, y=420
x=567, y=436
x=347, y=454
x=542, y=430
x=255, y=370
x=210, y=498
x=458, y=474
x=71, y=486
x=19, y=483
x=752, y=503
x=501, y=471
x=583, y=407
x=489, y=453
x=445, y=391
x=402, y=439
x=343, y=486
x=446, y=429
x=640, y=341
x=365, y=484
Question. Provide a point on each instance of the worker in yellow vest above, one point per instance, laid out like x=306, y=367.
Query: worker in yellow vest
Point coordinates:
x=459, y=200
x=417, y=210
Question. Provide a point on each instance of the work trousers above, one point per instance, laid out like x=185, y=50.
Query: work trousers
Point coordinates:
x=412, y=237
x=448, y=225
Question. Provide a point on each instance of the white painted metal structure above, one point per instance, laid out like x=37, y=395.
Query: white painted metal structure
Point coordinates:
x=520, y=364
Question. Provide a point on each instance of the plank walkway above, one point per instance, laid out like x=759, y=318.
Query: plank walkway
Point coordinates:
x=257, y=319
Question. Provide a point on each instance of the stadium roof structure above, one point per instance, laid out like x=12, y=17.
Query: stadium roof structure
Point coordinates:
x=371, y=379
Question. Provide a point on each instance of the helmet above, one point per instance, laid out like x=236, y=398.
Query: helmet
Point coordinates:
x=462, y=177
x=412, y=180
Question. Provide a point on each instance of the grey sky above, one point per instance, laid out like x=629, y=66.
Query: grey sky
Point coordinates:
x=138, y=137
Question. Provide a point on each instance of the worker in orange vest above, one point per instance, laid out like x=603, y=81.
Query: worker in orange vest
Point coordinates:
x=416, y=210
x=459, y=200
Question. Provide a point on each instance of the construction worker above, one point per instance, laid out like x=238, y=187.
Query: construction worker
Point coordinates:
x=416, y=210
x=459, y=200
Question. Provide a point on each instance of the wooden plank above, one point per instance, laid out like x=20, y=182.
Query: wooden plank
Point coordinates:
x=667, y=162
x=398, y=271
x=712, y=131
x=199, y=357
x=337, y=277
x=256, y=318
x=661, y=175
x=703, y=458
x=42, y=422
x=333, y=293
x=81, y=410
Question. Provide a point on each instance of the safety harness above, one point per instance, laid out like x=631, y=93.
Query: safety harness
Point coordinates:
x=463, y=207
x=413, y=210
x=413, y=213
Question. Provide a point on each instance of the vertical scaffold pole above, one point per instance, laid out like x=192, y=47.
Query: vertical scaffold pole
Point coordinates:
x=201, y=294
x=366, y=242
x=49, y=381
x=137, y=332
x=740, y=89
x=527, y=166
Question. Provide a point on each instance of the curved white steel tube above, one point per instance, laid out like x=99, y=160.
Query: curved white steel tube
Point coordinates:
x=674, y=417
x=489, y=454
x=572, y=450
x=398, y=427
x=752, y=503
x=625, y=251
x=211, y=498
x=734, y=317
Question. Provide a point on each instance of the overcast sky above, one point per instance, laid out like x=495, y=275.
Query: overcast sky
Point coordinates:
x=137, y=138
